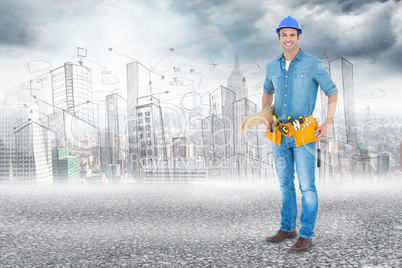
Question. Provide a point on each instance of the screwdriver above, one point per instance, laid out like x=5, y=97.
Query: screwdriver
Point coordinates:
x=271, y=128
x=275, y=121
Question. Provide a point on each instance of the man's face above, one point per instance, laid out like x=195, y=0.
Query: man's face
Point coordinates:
x=288, y=38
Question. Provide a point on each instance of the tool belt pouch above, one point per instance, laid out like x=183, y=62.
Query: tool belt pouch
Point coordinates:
x=274, y=136
x=305, y=134
x=302, y=136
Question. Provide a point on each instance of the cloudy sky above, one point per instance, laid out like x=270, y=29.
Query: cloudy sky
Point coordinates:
x=193, y=42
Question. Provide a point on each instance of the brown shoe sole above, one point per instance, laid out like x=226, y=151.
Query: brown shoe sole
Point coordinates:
x=290, y=236
x=298, y=251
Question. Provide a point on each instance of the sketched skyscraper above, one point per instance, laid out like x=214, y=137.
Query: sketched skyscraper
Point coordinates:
x=349, y=102
x=72, y=94
x=111, y=146
x=341, y=71
x=151, y=137
x=247, y=152
x=237, y=82
x=10, y=117
x=344, y=71
x=230, y=104
x=72, y=91
x=215, y=148
x=113, y=139
x=132, y=102
x=33, y=152
x=221, y=104
x=245, y=145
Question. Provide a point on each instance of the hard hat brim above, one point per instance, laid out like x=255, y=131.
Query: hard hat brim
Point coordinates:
x=300, y=30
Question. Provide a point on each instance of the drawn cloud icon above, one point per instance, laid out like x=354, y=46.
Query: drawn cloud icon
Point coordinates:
x=33, y=84
x=37, y=65
x=110, y=80
x=371, y=94
x=181, y=82
x=250, y=67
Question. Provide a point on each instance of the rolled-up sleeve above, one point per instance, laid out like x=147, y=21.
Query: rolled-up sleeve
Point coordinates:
x=321, y=76
x=268, y=86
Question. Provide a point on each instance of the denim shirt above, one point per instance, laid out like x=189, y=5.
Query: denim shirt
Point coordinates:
x=296, y=89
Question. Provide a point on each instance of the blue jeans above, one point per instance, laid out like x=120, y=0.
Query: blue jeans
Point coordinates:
x=286, y=157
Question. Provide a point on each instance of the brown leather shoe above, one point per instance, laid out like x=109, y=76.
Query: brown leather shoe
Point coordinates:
x=280, y=236
x=301, y=244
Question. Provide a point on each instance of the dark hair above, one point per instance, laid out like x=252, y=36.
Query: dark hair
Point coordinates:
x=298, y=31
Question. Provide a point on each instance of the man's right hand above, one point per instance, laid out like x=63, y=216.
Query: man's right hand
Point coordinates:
x=270, y=120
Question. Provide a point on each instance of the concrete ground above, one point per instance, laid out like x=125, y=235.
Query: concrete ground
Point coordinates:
x=195, y=225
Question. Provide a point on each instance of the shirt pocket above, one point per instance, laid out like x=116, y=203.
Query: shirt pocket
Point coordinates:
x=275, y=81
x=302, y=80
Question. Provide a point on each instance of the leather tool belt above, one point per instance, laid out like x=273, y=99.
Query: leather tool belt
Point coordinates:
x=302, y=130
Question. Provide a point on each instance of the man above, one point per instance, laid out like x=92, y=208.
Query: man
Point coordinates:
x=294, y=77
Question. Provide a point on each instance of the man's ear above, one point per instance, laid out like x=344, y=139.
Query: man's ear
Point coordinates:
x=299, y=37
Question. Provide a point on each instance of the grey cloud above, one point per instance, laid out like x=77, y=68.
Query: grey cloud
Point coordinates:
x=13, y=21
x=373, y=34
x=393, y=60
x=238, y=21
x=22, y=23
x=349, y=6
x=235, y=19
x=366, y=60
x=338, y=6
x=37, y=35
x=369, y=37
x=16, y=26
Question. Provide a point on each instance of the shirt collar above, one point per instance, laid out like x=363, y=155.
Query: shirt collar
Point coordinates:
x=299, y=55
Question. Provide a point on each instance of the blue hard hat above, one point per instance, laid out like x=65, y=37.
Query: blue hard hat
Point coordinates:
x=289, y=22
